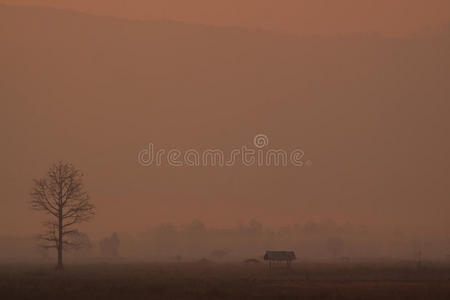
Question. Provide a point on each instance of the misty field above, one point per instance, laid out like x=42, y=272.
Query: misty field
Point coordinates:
x=225, y=281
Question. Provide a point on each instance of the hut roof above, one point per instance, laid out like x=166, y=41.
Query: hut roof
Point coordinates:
x=279, y=255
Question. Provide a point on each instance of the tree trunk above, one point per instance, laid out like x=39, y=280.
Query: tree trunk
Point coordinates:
x=59, y=267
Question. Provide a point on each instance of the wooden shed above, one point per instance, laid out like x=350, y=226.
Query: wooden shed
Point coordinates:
x=280, y=256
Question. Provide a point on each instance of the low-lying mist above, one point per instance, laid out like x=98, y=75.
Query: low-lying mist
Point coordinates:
x=325, y=241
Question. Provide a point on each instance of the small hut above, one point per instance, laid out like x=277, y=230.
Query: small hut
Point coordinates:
x=280, y=256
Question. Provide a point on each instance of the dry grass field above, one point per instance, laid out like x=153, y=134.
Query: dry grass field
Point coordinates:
x=225, y=281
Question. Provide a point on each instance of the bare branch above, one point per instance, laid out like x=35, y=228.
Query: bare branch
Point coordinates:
x=61, y=195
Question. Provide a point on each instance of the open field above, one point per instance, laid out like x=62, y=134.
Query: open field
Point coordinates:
x=225, y=281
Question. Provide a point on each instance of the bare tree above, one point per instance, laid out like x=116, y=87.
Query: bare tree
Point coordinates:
x=110, y=246
x=61, y=195
x=334, y=245
x=83, y=245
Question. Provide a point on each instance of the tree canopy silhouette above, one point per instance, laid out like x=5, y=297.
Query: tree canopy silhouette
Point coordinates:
x=61, y=195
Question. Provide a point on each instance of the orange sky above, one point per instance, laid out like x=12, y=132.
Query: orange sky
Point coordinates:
x=371, y=113
x=388, y=17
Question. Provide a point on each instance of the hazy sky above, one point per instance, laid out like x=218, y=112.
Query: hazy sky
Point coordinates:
x=324, y=17
x=370, y=112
